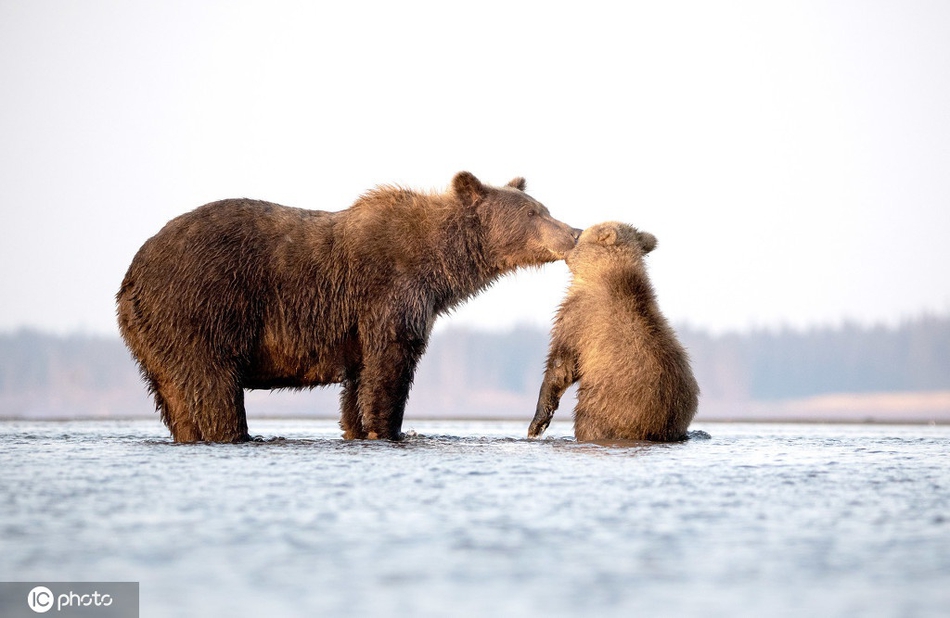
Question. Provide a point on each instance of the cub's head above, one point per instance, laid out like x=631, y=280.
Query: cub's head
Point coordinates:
x=517, y=229
x=610, y=243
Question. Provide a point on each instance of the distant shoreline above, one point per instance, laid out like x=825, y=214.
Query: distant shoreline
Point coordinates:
x=892, y=408
x=943, y=419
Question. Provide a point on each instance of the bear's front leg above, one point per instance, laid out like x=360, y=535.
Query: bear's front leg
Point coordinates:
x=560, y=373
x=384, y=389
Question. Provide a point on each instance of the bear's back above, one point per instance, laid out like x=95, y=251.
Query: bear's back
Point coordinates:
x=230, y=237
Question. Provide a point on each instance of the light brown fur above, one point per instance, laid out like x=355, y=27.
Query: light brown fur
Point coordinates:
x=247, y=294
x=609, y=335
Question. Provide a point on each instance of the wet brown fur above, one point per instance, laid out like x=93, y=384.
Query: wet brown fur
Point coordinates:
x=248, y=294
x=635, y=381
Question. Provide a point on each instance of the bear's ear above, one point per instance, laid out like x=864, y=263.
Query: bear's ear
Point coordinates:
x=607, y=236
x=518, y=183
x=468, y=188
x=647, y=241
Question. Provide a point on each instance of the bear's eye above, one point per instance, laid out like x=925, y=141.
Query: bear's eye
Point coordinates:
x=532, y=212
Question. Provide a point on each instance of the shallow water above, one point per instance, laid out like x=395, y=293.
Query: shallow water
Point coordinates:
x=469, y=519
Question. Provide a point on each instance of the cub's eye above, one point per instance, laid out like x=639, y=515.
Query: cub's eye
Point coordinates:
x=532, y=212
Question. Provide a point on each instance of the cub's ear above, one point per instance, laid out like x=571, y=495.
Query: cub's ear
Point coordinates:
x=647, y=241
x=607, y=236
x=468, y=188
x=518, y=183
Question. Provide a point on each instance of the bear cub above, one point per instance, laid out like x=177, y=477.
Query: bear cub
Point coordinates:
x=609, y=335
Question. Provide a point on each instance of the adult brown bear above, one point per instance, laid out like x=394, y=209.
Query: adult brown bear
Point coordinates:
x=247, y=294
x=609, y=335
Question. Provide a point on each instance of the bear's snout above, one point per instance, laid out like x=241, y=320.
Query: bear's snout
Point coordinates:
x=560, y=238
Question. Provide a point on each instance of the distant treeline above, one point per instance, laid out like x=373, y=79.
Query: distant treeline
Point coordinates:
x=476, y=372
x=787, y=364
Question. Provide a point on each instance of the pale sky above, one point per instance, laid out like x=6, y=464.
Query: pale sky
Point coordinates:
x=793, y=158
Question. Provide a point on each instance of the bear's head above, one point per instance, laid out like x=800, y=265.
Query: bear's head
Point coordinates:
x=609, y=243
x=518, y=230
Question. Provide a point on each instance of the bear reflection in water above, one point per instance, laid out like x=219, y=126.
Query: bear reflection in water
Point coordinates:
x=248, y=294
x=635, y=381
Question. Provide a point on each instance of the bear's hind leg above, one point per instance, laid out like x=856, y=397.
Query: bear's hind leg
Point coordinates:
x=218, y=409
x=176, y=412
x=350, y=420
x=590, y=428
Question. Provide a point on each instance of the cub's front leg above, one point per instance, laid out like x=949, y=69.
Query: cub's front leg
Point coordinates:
x=559, y=373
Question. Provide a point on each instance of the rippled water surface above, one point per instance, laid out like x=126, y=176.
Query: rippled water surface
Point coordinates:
x=469, y=519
